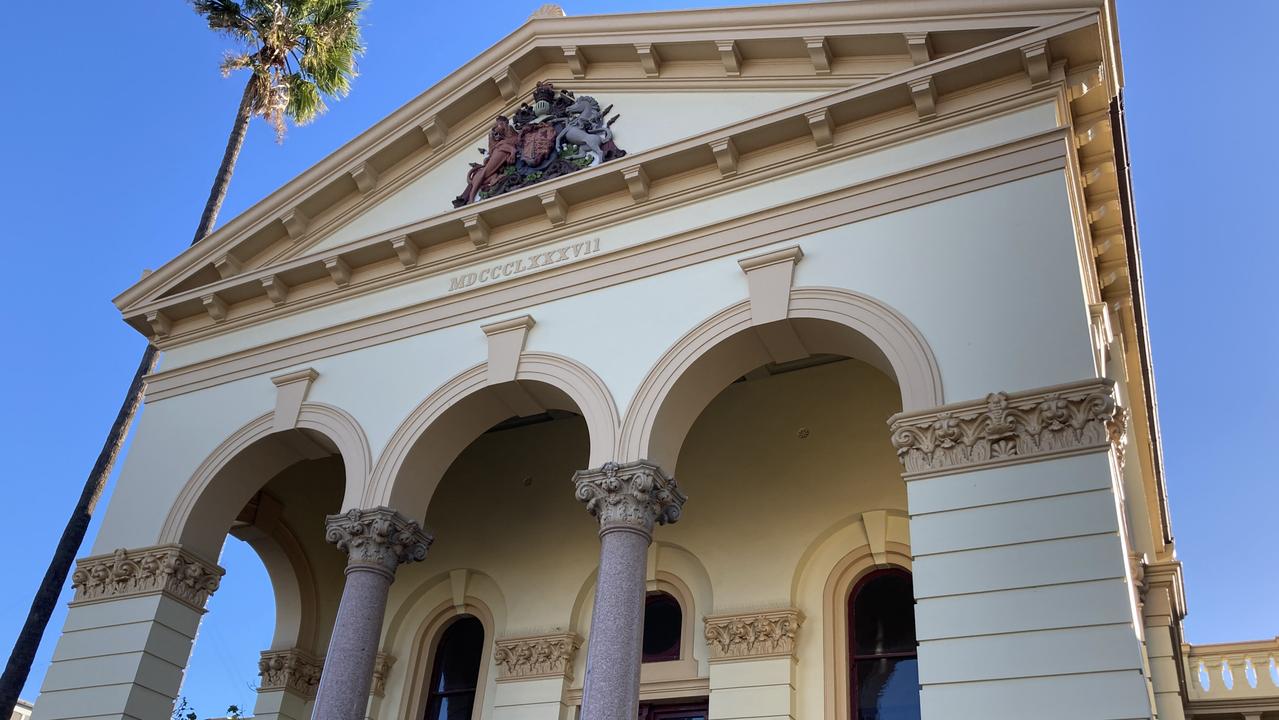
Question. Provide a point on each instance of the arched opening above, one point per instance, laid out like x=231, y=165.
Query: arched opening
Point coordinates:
x=455, y=670
x=259, y=504
x=882, y=652
x=488, y=468
x=773, y=452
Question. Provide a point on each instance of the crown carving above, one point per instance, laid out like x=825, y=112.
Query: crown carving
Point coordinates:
x=1006, y=428
x=164, y=569
x=538, y=656
x=636, y=494
x=293, y=670
x=763, y=634
x=380, y=537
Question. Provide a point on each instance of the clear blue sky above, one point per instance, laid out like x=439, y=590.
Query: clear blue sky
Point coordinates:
x=113, y=124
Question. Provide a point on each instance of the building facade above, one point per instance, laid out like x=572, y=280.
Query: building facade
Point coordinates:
x=773, y=362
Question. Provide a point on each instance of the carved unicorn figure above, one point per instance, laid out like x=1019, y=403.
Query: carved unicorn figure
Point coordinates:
x=586, y=128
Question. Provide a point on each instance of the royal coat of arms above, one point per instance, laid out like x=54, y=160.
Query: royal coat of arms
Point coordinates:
x=557, y=134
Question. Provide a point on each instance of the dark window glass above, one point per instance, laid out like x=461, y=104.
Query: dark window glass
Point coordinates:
x=884, y=671
x=678, y=710
x=663, y=626
x=455, y=671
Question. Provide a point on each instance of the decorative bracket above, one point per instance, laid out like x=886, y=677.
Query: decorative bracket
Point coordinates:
x=636, y=182
x=822, y=125
x=477, y=229
x=576, y=61
x=406, y=250
x=725, y=152
x=920, y=47
x=731, y=55
x=276, y=289
x=649, y=59
x=924, y=93
x=365, y=177
x=819, y=53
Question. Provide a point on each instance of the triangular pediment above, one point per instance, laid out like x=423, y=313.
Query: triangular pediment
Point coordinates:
x=673, y=77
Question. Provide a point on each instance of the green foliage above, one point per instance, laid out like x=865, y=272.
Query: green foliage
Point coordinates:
x=298, y=51
x=183, y=710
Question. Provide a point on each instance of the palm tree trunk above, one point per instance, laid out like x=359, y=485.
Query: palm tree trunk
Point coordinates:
x=46, y=598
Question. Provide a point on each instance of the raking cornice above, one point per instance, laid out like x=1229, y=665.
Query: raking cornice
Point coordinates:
x=157, y=318
x=461, y=98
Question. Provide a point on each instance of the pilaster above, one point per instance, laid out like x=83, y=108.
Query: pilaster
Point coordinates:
x=533, y=673
x=752, y=664
x=289, y=679
x=1020, y=571
x=128, y=634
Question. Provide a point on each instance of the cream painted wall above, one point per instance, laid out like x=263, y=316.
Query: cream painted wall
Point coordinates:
x=818, y=181
x=645, y=124
x=506, y=512
x=989, y=278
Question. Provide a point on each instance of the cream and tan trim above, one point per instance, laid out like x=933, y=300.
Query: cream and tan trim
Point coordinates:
x=1004, y=429
x=969, y=173
x=292, y=670
x=517, y=210
x=754, y=635
x=535, y=657
x=430, y=123
x=162, y=569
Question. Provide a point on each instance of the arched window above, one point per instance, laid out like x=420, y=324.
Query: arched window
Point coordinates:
x=455, y=671
x=663, y=627
x=882, y=656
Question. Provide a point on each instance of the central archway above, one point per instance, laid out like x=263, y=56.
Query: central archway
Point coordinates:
x=723, y=348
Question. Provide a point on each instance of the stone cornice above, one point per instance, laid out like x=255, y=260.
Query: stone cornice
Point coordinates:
x=291, y=670
x=635, y=495
x=753, y=636
x=1009, y=428
x=536, y=656
x=380, y=538
x=178, y=308
x=166, y=569
x=459, y=99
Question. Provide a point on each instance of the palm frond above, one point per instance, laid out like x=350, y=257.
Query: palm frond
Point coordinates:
x=299, y=51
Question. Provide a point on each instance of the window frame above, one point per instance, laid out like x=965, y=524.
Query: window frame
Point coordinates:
x=851, y=634
x=432, y=676
x=678, y=648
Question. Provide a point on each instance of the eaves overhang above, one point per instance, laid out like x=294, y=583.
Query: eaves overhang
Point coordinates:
x=476, y=227
x=466, y=97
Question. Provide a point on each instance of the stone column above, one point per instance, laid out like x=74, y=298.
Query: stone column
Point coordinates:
x=1162, y=609
x=627, y=500
x=376, y=542
x=128, y=634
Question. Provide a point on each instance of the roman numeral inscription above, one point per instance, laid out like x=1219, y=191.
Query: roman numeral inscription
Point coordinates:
x=505, y=270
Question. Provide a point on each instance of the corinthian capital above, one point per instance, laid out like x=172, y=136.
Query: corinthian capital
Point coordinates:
x=380, y=537
x=637, y=494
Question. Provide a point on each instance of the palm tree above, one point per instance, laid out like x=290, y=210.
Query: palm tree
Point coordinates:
x=297, y=53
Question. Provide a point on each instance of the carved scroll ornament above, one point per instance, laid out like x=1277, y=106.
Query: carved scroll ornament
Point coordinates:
x=753, y=635
x=380, y=537
x=292, y=670
x=540, y=656
x=1009, y=427
x=382, y=665
x=637, y=494
x=162, y=569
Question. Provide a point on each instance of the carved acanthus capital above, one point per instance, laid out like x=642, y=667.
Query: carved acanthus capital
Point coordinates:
x=381, y=669
x=538, y=656
x=769, y=633
x=380, y=537
x=1008, y=428
x=636, y=494
x=293, y=670
x=162, y=569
